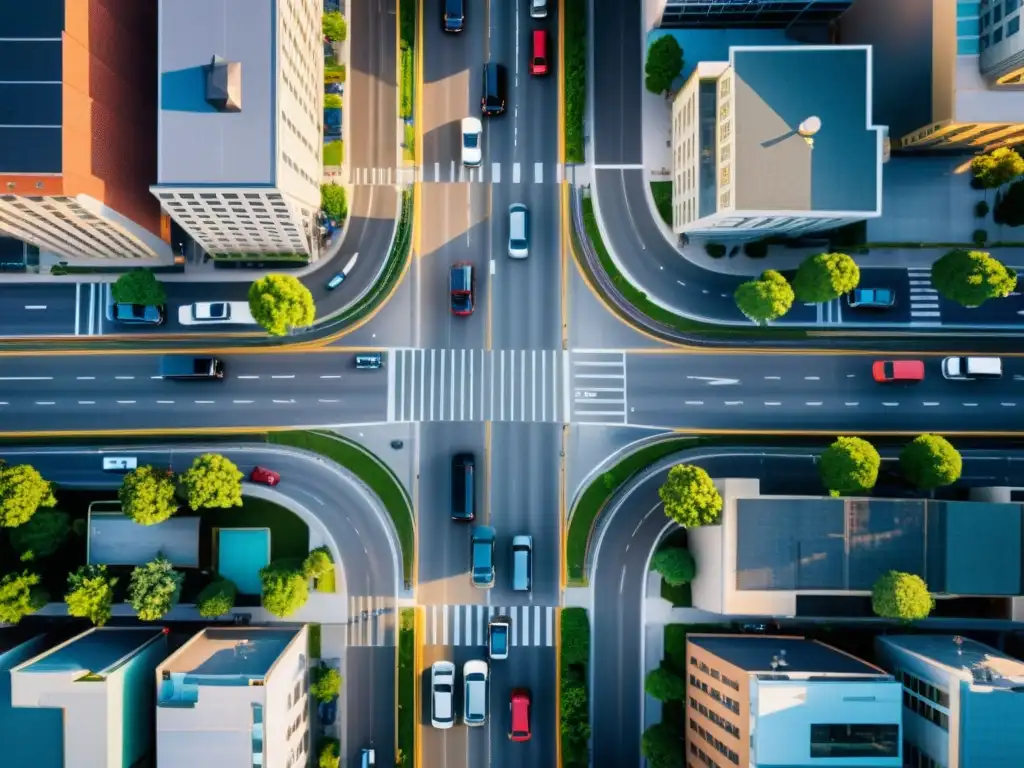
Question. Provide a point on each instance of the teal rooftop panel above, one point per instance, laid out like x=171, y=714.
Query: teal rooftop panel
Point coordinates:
x=982, y=548
x=97, y=652
x=30, y=737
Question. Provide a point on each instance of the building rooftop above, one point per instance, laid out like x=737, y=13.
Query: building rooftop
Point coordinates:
x=200, y=143
x=237, y=655
x=778, y=88
x=754, y=654
x=32, y=737
x=97, y=652
x=973, y=662
x=976, y=102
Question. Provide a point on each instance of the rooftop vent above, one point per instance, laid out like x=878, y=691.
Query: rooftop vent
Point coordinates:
x=224, y=85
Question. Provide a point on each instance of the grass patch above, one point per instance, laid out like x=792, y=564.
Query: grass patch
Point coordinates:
x=334, y=153
x=406, y=59
x=370, y=470
x=314, y=641
x=409, y=142
x=406, y=686
x=575, y=78
x=574, y=717
x=662, y=191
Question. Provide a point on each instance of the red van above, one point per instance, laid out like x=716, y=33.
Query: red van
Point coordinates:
x=519, y=707
x=539, y=55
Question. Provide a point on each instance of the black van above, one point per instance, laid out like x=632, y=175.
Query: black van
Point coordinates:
x=183, y=367
x=463, y=489
x=493, y=100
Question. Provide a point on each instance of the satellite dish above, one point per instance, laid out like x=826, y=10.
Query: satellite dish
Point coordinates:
x=808, y=128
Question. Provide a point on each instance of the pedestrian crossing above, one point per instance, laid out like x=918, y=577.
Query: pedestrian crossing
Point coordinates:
x=371, y=621
x=454, y=172
x=476, y=385
x=598, y=387
x=924, y=299
x=466, y=625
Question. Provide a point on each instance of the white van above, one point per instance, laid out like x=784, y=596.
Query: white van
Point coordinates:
x=538, y=8
x=962, y=368
x=474, y=677
x=120, y=463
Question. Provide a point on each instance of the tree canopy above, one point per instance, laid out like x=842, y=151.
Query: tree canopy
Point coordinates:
x=280, y=303
x=690, y=496
x=139, y=286
x=675, y=565
x=330, y=754
x=212, y=482
x=334, y=26
x=22, y=491
x=665, y=685
x=90, y=594
x=664, y=64
x=42, y=535
x=971, y=278
x=825, y=276
x=217, y=598
x=998, y=167
x=284, y=590
x=154, y=588
x=662, y=745
x=317, y=563
x=20, y=595
x=902, y=596
x=767, y=298
x=930, y=461
x=333, y=201
x=147, y=495
x=326, y=684
x=849, y=465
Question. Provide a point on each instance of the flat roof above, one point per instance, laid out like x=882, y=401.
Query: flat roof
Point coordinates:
x=94, y=652
x=972, y=662
x=243, y=653
x=198, y=144
x=31, y=88
x=775, y=90
x=754, y=654
x=979, y=545
x=976, y=102
x=115, y=539
x=31, y=736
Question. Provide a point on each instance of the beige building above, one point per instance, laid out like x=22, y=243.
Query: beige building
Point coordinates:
x=947, y=73
x=235, y=697
x=776, y=141
x=240, y=125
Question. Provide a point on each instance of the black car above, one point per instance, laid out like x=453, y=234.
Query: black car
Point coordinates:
x=454, y=15
x=493, y=100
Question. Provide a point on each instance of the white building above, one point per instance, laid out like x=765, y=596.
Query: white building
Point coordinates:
x=241, y=123
x=963, y=702
x=102, y=682
x=235, y=697
x=742, y=169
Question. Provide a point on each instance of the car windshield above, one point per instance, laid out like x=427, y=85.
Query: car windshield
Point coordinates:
x=888, y=370
x=482, y=556
x=461, y=301
x=471, y=140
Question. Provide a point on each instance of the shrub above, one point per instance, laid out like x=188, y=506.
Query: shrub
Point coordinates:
x=849, y=465
x=971, y=278
x=330, y=754
x=217, y=598
x=317, y=563
x=90, y=594
x=333, y=201
x=664, y=64
x=715, y=250
x=22, y=492
x=1009, y=207
x=675, y=565
x=575, y=15
x=147, y=495
x=138, y=286
x=690, y=496
x=284, y=590
x=332, y=101
x=334, y=26
x=575, y=637
x=930, y=461
x=979, y=237
x=42, y=535
x=825, y=277
x=902, y=596
x=408, y=71
x=326, y=684
x=154, y=588
x=212, y=482
x=20, y=595
x=767, y=298
x=665, y=685
x=662, y=745
x=981, y=209
x=280, y=303
x=998, y=167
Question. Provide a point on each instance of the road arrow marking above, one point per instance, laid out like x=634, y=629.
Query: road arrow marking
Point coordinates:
x=714, y=381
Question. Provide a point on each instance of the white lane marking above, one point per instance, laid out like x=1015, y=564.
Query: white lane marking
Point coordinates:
x=890, y=405
x=331, y=376
x=86, y=378
x=971, y=405
x=35, y=306
x=812, y=378
x=87, y=402
x=816, y=402
x=242, y=402
x=851, y=375
x=929, y=405
x=249, y=376
x=773, y=403
x=494, y=266
x=78, y=309
x=203, y=402
x=773, y=378
x=165, y=402
x=734, y=402
x=328, y=401
x=713, y=381
x=125, y=378
x=495, y=173
x=4, y=403
x=126, y=402
x=156, y=377
x=284, y=402
x=26, y=378
x=45, y=402
x=694, y=402
x=284, y=376
x=1008, y=405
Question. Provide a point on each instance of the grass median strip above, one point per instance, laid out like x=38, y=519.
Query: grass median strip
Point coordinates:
x=406, y=686
x=574, y=711
x=407, y=67
x=662, y=193
x=575, y=78
x=372, y=471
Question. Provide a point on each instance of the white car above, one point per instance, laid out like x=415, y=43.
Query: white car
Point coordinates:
x=442, y=694
x=472, y=141
x=210, y=312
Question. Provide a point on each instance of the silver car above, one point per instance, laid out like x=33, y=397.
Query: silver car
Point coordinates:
x=518, y=231
x=442, y=694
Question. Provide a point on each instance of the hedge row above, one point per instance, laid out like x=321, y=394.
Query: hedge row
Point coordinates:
x=575, y=77
x=574, y=718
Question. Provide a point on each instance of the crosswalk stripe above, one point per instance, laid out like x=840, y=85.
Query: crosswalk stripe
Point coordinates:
x=538, y=173
x=515, y=173
x=466, y=625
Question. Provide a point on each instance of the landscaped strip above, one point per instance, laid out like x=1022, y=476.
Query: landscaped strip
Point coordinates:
x=575, y=77
x=574, y=710
x=596, y=496
x=406, y=47
x=662, y=193
x=406, y=687
x=372, y=471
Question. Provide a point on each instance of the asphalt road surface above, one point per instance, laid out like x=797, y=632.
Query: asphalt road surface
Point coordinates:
x=619, y=574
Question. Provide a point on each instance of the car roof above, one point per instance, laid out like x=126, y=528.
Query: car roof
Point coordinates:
x=483, y=533
x=474, y=666
x=443, y=667
x=522, y=540
x=472, y=125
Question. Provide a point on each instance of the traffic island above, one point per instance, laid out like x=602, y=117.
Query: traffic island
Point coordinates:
x=406, y=684
x=573, y=706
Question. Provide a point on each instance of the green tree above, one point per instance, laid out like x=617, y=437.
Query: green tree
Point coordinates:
x=930, y=461
x=139, y=286
x=849, y=465
x=1009, y=208
x=998, y=167
x=575, y=717
x=664, y=64
x=690, y=496
x=665, y=685
x=675, y=565
x=902, y=596
x=280, y=303
x=20, y=595
x=212, y=482
x=147, y=495
x=217, y=598
x=332, y=101
x=154, y=588
x=90, y=594
x=971, y=278
x=767, y=298
x=662, y=745
x=284, y=590
x=575, y=637
x=333, y=201
x=42, y=535
x=330, y=754
x=317, y=563
x=326, y=684
x=825, y=277
x=22, y=492
x=334, y=27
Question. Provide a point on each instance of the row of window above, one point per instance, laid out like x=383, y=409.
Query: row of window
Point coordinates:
x=732, y=756
x=996, y=14
x=81, y=233
x=927, y=690
x=925, y=710
x=702, y=756
x=298, y=169
x=915, y=757
x=715, y=718
x=1012, y=28
x=715, y=694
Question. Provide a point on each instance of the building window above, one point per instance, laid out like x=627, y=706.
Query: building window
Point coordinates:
x=997, y=35
x=1011, y=6
x=859, y=740
x=997, y=14
x=1013, y=26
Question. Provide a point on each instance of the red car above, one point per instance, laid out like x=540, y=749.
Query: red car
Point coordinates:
x=265, y=476
x=897, y=370
x=519, y=709
x=539, y=59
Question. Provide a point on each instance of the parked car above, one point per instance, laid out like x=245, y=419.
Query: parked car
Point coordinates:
x=474, y=698
x=442, y=694
x=453, y=18
x=139, y=314
x=265, y=476
x=885, y=371
x=539, y=55
x=211, y=312
x=871, y=298
x=519, y=715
